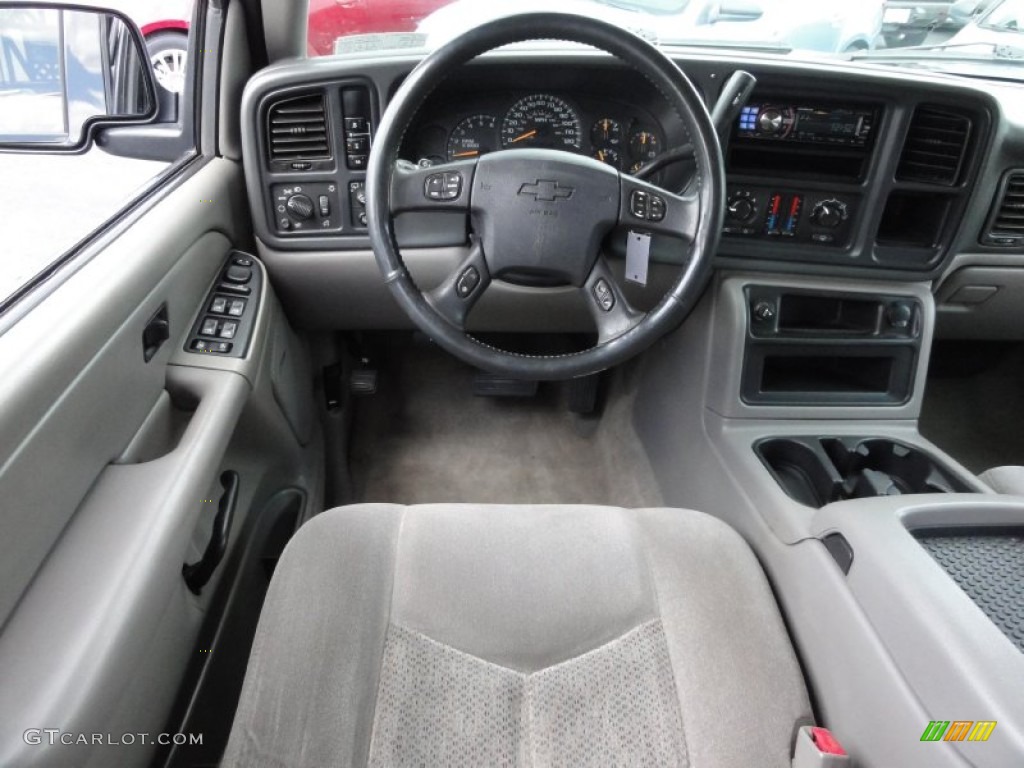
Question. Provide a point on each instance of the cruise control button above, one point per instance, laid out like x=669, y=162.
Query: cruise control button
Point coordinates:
x=656, y=212
x=433, y=188
x=638, y=204
x=603, y=294
x=209, y=327
x=452, y=185
x=467, y=282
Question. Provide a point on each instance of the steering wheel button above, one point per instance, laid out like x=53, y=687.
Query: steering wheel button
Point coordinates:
x=603, y=294
x=639, y=204
x=656, y=211
x=433, y=187
x=467, y=282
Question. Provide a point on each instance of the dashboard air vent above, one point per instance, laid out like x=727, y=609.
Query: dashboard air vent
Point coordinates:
x=297, y=129
x=936, y=144
x=1006, y=226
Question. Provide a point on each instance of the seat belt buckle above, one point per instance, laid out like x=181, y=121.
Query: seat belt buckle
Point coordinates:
x=818, y=748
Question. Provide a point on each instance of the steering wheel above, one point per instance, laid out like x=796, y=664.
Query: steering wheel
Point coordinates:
x=545, y=212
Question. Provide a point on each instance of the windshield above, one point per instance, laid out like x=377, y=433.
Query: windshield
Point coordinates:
x=887, y=32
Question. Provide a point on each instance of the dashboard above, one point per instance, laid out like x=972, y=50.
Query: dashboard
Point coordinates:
x=832, y=169
x=621, y=134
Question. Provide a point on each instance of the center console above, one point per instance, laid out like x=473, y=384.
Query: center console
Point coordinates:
x=788, y=407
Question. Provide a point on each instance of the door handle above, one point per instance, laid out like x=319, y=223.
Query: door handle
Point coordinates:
x=198, y=574
x=156, y=332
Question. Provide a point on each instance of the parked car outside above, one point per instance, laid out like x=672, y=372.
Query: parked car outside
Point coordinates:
x=808, y=25
x=164, y=25
x=1002, y=24
x=331, y=19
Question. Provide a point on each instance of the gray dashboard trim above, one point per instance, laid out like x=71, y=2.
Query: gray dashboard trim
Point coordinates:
x=709, y=70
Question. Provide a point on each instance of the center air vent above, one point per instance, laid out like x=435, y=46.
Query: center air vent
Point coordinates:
x=934, y=150
x=297, y=129
x=1006, y=226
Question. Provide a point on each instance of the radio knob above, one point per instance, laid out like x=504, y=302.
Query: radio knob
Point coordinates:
x=770, y=121
x=300, y=206
x=828, y=213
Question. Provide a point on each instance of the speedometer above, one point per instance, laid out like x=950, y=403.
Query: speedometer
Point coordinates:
x=541, y=120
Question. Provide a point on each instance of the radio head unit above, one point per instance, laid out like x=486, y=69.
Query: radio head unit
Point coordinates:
x=851, y=126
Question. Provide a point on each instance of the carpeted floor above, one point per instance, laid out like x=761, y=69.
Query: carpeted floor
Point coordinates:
x=974, y=404
x=425, y=438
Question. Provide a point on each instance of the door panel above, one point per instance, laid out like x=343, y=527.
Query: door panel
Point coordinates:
x=97, y=622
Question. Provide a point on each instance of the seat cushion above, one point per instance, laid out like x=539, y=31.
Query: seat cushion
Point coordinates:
x=1009, y=480
x=476, y=635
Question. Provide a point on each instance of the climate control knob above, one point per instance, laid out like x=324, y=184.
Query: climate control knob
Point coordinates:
x=300, y=206
x=741, y=207
x=828, y=213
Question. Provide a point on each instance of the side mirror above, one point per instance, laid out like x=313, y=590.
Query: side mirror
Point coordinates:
x=735, y=10
x=66, y=71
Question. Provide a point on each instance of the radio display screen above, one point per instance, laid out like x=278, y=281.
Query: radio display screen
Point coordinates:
x=811, y=124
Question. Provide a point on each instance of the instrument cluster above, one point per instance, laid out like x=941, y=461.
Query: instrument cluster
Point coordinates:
x=622, y=136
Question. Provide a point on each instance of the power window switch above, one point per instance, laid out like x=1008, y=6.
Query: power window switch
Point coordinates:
x=219, y=305
x=209, y=327
x=237, y=308
x=228, y=330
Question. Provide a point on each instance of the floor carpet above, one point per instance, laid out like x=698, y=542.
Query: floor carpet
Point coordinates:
x=425, y=438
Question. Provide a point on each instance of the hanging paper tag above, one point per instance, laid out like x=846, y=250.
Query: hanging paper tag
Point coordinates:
x=638, y=254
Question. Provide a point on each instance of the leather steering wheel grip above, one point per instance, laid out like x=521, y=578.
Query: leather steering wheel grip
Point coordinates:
x=709, y=192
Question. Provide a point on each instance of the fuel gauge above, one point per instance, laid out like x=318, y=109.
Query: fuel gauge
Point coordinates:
x=644, y=146
x=608, y=157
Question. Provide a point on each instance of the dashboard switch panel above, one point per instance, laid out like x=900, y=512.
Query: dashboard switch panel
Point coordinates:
x=296, y=211
x=226, y=323
x=800, y=215
x=355, y=103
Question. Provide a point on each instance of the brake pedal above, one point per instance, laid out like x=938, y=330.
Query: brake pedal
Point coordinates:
x=363, y=382
x=495, y=385
x=583, y=394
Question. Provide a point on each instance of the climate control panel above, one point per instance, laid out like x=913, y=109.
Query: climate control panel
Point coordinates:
x=795, y=215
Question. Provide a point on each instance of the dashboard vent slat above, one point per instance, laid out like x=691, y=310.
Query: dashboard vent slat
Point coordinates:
x=935, y=147
x=297, y=129
x=1006, y=224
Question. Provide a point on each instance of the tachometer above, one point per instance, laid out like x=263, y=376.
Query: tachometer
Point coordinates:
x=472, y=137
x=541, y=120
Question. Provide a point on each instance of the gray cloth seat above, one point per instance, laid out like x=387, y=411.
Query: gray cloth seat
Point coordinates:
x=1008, y=479
x=469, y=635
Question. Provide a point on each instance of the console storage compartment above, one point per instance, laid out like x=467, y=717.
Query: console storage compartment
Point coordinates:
x=819, y=470
x=829, y=348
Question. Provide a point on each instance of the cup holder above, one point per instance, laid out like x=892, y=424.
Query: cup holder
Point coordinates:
x=819, y=470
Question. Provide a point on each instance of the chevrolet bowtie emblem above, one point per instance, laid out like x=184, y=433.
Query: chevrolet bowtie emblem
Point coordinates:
x=546, y=191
